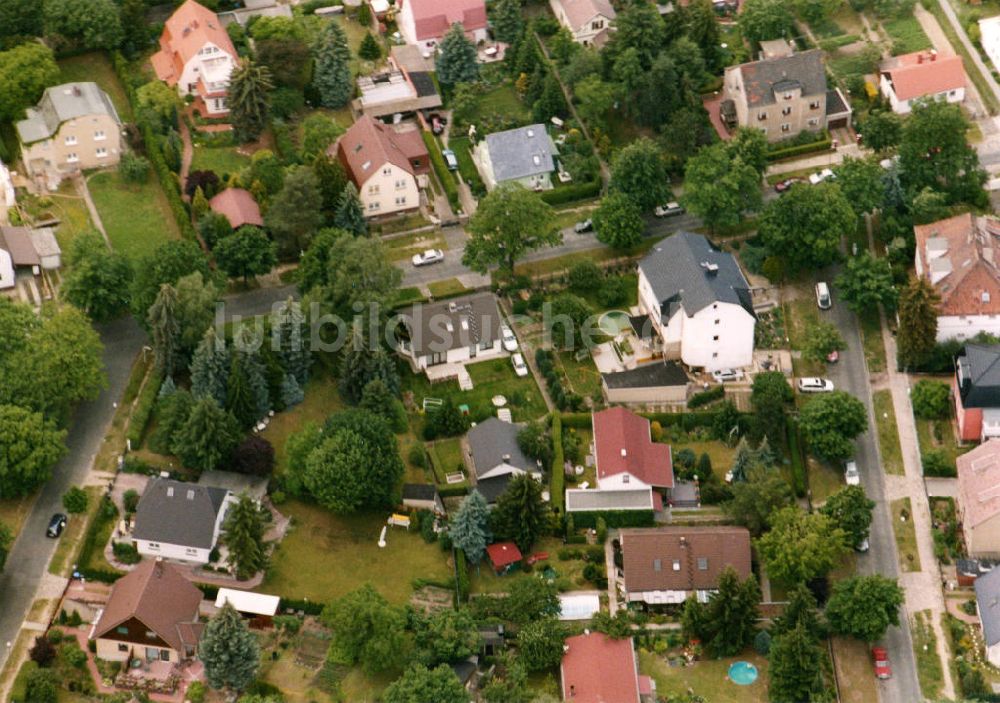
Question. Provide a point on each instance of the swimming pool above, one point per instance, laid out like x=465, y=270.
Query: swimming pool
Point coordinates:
x=578, y=606
x=742, y=673
x=614, y=322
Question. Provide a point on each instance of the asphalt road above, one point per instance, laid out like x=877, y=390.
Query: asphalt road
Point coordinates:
x=850, y=374
x=29, y=558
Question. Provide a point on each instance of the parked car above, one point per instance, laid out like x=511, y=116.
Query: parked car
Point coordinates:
x=823, y=299
x=723, y=375
x=584, y=226
x=520, y=368
x=668, y=210
x=881, y=658
x=815, y=385
x=449, y=159
x=862, y=546
x=852, y=477
x=509, y=340
x=431, y=256
x=56, y=525
x=782, y=186
x=820, y=176
x=437, y=123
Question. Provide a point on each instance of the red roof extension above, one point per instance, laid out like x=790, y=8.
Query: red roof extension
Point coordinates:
x=598, y=669
x=623, y=445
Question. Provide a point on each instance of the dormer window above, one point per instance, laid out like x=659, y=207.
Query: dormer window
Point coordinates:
x=787, y=96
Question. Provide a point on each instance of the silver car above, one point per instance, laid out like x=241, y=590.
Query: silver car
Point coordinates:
x=431, y=256
x=852, y=477
x=815, y=385
x=508, y=338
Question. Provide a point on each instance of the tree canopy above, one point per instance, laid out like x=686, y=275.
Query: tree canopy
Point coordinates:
x=520, y=513
x=456, y=62
x=618, y=222
x=800, y=546
x=918, y=305
x=419, y=684
x=367, y=630
x=639, y=170
x=804, y=226
x=866, y=283
x=830, y=422
x=864, y=607
x=851, y=510
x=510, y=222
x=720, y=187
x=26, y=71
x=934, y=153
x=29, y=446
x=229, y=651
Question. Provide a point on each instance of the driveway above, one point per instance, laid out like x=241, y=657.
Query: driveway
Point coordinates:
x=851, y=374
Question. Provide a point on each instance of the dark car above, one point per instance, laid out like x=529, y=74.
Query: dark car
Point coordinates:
x=56, y=525
x=782, y=186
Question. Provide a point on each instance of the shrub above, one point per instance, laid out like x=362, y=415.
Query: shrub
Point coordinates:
x=143, y=409
x=133, y=168
x=705, y=397
x=42, y=652
x=930, y=399
x=572, y=192
x=936, y=464
x=196, y=690
x=73, y=655
x=130, y=500
x=417, y=456
x=602, y=530
x=75, y=500
x=126, y=552
x=254, y=455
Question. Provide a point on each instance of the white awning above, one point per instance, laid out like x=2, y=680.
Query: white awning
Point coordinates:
x=247, y=601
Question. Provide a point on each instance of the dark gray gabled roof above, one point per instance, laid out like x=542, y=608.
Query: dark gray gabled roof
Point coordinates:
x=765, y=80
x=653, y=375
x=685, y=270
x=988, y=599
x=436, y=328
x=174, y=512
x=522, y=152
x=419, y=491
x=492, y=488
x=494, y=442
x=979, y=368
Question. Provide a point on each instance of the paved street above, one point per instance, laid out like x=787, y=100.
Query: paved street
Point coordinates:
x=29, y=558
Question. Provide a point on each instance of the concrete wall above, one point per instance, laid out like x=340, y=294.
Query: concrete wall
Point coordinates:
x=646, y=396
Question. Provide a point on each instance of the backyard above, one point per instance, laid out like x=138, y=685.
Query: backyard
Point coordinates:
x=65, y=205
x=567, y=573
x=325, y=556
x=220, y=159
x=707, y=677
x=854, y=671
x=136, y=217
x=939, y=436
x=321, y=399
x=96, y=67
x=446, y=458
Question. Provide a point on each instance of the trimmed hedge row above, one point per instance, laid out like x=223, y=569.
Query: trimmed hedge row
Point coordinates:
x=309, y=607
x=798, y=458
x=143, y=409
x=443, y=174
x=452, y=491
x=572, y=193
x=799, y=149
x=615, y=518
x=564, y=400
x=558, y=481
x=461, y=578
x=706, y=397
x=686, y=421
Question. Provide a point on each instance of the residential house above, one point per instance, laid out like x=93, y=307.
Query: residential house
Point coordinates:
x=425, y=22
x=196, y=55
x=657, y=382
x=503, y=556
x=626, y=455
x=258, y=609
x=976, y=390
x=587, y=500
x=667, y=565
x=238, y=206
x=922, y=75
x=74, y=127
x=597, y=668
x=422, y=496
x=255, y=8
x=496, y=457
x=152, y=614
x=383, y=163
x=589, y=21
x=988, y=605
x=178, y=520
x=978, y=499
x=699, y=303
x=783, y=96
x=957, y=256
x=6, y=192
x=452, y=331
x=524, y=155
x=989, y=32
x=396, y=92
x=26, y=255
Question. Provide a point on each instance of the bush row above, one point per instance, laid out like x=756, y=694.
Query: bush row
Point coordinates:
x=685, y=421
x=143, y=409
x=572, y=192
x=706, y=397
x=452, y=491
x=558, y=474
x=797, y=457
x=443, y=174
x=799, y=149
x=461, y=578
x=564, y=400
x=615, y=518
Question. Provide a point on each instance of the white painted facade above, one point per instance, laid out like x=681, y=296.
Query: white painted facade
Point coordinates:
x=966, y=326
x=388, y=190
x=993, y=654
x=504, y=468
x=622, y=481
x=6, y=192
x=7, y=278
x=408, y=28
x=461, y=355
x=666, y=597
x=904, y=107
x=181, y=552
x=719, y=336
x=989, y=30
x=212, y=65
x=585, y=32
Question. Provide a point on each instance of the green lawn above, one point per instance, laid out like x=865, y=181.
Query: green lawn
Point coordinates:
x=939, y=436
x=490, y=378
x=907, y=35
x=325, y=556
x=566, y=261
x=708, y=678
x=569, y=573
x=871, y=340
x=906, y=535
x=584, y=378
x=447, y=288
x=97, y=67
x=137, y=218
x=446, y=458
x=403, y=248
x=501, y=101
x=929, y=671
x=799, y=314
x=466, y=166
x=321, y=399
x=721, y=455
x=824, y=479
x=220, y=159
x=66, y=205
x=888, y=432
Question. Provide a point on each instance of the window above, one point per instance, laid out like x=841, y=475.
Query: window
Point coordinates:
x=677, y=564
x=814, y=104
x=386, y=171
x=122, y=647
x=716, y=321
x=191, y=551
x=99, y=135
x=787, y=96
x=625, y=478
x=374, y=205
x=401, y=200
x=165, y=655
x=72, y=157
x=786, y=127
x=761, y=116
x=150, y=635
x=70, y=139
x=657, y=565
x=715, y=355
x=715, y=338
x=400, y=184
x=101, y=152
x=813, y=122
x=786, y=111
x=597, y=24
x=122, y=630
x=702, y=563
x=373, y=189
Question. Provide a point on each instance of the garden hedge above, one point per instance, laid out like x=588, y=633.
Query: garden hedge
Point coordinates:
x=798, y=458
x=615, y=518
x=558, y=481
x=573, y=192
x=799, y=149
x=443, y=174
x=706, y=397
x=143, y=409
x=452, y=491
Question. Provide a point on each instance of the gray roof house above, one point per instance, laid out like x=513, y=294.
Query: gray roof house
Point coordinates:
x=62, y=103
x=988, y=601
x=451, y=331
x=178, y=520
x=525, y=155
x=496, y=456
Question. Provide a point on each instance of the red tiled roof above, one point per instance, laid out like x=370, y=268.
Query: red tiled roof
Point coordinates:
x=238, y=206
x=159, y=596
x=503, y=554
x=433, y=18
x=599, y=669
x=184, y=34
x=645, y=549
x=923, y=73
x=623, y=445
x=979, y=483
x=369, y=144
x=968, y=277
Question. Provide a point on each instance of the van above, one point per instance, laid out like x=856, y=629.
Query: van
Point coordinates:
x=823, y=296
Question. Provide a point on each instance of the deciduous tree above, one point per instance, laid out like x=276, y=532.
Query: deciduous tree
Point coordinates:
x=168, y=263
x=805, y=225
x=930, y=399
x=29, y=446
x=851, y=510
x=862, y=182
x=640, y=172
x=419, y=684
x=447, y=636
x=720, y=188
x=97, y=279
x=934, y=153
x=765, y=19
x=540, y=643
x=295, y=212
x=881, y=130
x=510, y=222
x=821, y=339
x=830, y=422
x=229, y=651
x=246, y=252
x=618, y=222
x=769, y=399
x=864, y=607
x=756, y=500
x=866, y=283
x=800, y=546
x=83, y=24
x=367, y=630
x=26, y=71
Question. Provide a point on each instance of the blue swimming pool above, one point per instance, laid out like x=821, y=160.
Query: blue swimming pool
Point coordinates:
x=743, y=673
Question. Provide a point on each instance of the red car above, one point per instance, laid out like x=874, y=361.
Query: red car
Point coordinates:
x=881, y=659
x=782, y=186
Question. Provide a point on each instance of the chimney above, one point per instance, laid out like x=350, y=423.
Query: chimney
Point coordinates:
x=158, y=567
x=506, y=457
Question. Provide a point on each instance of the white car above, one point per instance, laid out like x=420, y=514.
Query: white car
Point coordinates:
x=825, y=174
x=852, y=477
x=668, y=210
x=431, y=256
x=815, y=385
x=520, y=368
x=509, y=340
x=723, y=375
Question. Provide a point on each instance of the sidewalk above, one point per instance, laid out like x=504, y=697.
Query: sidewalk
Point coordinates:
x=821, y=160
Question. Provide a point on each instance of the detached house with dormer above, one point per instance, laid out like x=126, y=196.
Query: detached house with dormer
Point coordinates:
x=196, y=55
x=589, y=21
x=922, y=75
x=425, y=22
x=177, y=520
